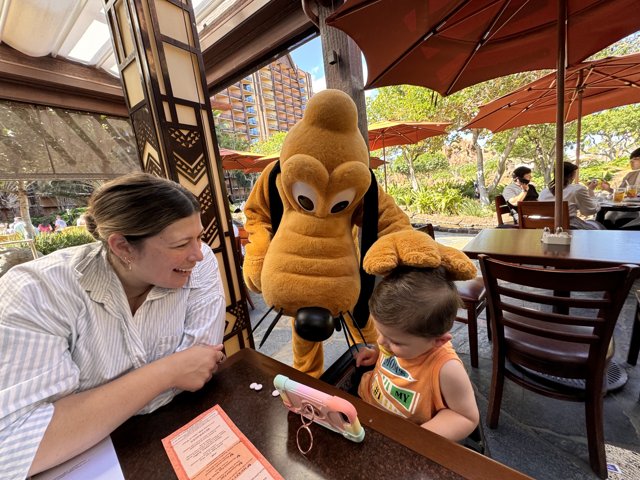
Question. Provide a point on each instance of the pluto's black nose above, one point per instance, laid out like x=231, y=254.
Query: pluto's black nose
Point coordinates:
x=314, y=324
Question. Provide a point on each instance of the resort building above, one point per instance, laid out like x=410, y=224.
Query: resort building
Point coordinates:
x=265, y=102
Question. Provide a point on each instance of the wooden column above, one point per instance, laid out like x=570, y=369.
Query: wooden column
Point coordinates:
x=162, y=74
x=342, y=63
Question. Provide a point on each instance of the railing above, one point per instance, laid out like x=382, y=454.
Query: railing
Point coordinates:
x=29, y=242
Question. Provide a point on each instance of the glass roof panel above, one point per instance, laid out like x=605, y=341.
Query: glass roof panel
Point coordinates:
x=91, y=42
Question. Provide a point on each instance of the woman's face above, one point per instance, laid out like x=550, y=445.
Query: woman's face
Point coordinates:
x=526, y=178
x=167, y=259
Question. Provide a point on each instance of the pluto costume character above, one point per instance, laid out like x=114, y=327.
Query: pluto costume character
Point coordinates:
x=305, y=261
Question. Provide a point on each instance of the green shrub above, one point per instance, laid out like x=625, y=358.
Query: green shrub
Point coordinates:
x=439, y=198
x=69, y=237
x=474, y=208
x=403, y=195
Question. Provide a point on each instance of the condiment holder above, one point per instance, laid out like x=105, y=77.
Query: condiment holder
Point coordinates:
x=560, y=237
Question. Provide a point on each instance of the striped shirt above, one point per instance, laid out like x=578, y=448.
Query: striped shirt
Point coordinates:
x=66, y=327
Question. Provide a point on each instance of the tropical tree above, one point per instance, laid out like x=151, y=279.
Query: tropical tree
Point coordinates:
x=271, y=145
x=410, y=104
x=612, y=133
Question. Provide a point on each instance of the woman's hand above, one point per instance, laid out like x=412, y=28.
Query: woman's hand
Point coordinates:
x=366, y=356
x=592, y=184
x=522, y=185
x=190, y=369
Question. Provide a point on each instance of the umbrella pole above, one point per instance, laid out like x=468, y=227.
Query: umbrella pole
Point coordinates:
x=562, y=42
x=384, y=165
x=579, y=134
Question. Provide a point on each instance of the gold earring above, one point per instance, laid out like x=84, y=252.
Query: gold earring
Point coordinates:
x=127, y=262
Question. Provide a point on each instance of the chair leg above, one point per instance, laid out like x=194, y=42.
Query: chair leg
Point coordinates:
x=634, y=346
x=472, y=322
x=495, y=393
x=595, y=432
x=246, y=292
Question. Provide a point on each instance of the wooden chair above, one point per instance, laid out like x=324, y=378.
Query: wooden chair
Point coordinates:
x=473, y=296
x=634, y=346
x=502, y=208
x=574, y=345
x=541, y=214
x=241, y=240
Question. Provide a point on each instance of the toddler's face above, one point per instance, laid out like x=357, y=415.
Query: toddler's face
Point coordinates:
x=402, y=344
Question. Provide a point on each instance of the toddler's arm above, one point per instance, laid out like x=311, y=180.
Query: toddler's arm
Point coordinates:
x=461, y=417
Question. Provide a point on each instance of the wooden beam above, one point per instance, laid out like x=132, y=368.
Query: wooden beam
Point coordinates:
x=59, y=83
x=250, y=37
x=239, y=42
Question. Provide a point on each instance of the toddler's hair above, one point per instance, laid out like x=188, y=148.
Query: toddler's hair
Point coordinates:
x=418, y=301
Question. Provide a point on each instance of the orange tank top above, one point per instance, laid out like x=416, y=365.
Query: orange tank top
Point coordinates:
x=408, y=388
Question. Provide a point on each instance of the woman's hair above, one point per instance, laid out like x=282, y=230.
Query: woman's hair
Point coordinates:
x=568, y=169
x=520, y=172
x=138, y=206
x=418, y=301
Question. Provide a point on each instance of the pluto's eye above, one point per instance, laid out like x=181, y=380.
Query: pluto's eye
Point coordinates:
x=305, y=196
x=342, y=200
x=338, y=207
x=305, y=202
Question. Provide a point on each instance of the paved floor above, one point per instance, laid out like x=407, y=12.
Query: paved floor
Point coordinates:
x=539, y=436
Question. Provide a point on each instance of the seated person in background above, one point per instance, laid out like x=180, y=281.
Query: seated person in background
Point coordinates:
x=417, y=373
x=94, y=334
x=520, y=190
x=632, y=177
x=619, y=219
x=580, y=199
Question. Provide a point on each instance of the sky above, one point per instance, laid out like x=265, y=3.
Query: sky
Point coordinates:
x=308, y=57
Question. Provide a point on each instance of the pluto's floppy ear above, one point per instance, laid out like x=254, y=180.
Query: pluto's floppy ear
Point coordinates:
x=457, y=264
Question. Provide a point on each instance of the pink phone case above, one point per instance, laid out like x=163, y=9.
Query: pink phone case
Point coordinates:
x=332, y=412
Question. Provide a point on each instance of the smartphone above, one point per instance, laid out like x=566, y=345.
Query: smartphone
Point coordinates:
x=331, y=412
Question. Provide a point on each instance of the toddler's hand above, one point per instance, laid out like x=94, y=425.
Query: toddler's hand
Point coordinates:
x=366, y=356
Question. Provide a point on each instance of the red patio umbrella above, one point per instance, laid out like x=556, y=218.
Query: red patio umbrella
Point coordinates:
x=237, y=160
x=391, y=134
x=447, y=45
x=589, y=87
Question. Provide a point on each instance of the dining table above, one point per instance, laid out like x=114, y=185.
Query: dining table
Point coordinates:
x=392, y=447
x=624, y=206
x=588, y=248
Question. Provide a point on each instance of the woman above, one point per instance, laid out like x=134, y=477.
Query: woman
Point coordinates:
x=580, y=199
x=44, y=228
x=520, y=190
x=94, y=334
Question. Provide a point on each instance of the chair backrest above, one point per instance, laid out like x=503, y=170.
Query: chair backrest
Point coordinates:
x=502, y=208
x=241, y=240
x=587, y=317
x=428, y=229
x=541, y=214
